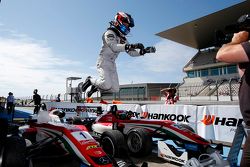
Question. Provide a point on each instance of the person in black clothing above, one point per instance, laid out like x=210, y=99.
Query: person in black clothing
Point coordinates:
x=238, y=51
x=10, y=103
x=37, y=101
x=58, y=98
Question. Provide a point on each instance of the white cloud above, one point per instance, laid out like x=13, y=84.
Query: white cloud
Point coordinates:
x=166, y=65
x=26, y=64
x=169, y=56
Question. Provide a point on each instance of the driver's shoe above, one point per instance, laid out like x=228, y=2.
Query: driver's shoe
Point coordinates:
x=86, y=84
x=92, y=90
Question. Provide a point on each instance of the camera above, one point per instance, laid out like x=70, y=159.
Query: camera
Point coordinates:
x=243, y=24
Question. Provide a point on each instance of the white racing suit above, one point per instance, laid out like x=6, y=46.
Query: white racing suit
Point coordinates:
x=113, y=44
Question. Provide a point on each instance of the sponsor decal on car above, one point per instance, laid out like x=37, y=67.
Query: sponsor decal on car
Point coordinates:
x=91, y=147
x=85, y=142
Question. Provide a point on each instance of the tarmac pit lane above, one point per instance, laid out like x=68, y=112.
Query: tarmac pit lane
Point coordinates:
x=153, y=161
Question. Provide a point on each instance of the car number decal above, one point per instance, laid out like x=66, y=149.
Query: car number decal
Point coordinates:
x=79, y=136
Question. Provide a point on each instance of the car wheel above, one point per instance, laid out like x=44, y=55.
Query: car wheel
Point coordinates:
x=113, y=143
x=3, y=134
x=14, y=152
x=139, y=142
x=3, y=129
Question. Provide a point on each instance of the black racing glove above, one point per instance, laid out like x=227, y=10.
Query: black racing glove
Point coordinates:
x=129, y=47
x=150, y=49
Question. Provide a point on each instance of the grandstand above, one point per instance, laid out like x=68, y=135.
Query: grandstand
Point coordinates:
x=207, y=79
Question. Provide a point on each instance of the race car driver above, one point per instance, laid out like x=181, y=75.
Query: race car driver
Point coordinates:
x=114, y=42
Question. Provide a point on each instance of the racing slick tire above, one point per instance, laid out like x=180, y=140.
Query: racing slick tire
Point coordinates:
x=3, y=135
x=14, y=154
x=113, y=143
x=3, y=129
x=139, y=142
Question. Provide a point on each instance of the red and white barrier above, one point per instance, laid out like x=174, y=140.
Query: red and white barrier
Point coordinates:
x=216, y=122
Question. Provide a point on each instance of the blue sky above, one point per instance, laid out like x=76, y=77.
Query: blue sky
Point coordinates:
x=42, y=42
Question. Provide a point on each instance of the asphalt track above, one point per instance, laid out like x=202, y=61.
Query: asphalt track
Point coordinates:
x=153, y=161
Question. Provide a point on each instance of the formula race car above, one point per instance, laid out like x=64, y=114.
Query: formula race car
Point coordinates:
x=49, y=142
x=119, y=130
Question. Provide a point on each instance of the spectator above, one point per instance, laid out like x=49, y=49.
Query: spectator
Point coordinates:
x=10, y=103
x=2, y=104
x=58, y=98
x=169, y=93
x=238, y=51
x=37, y=101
